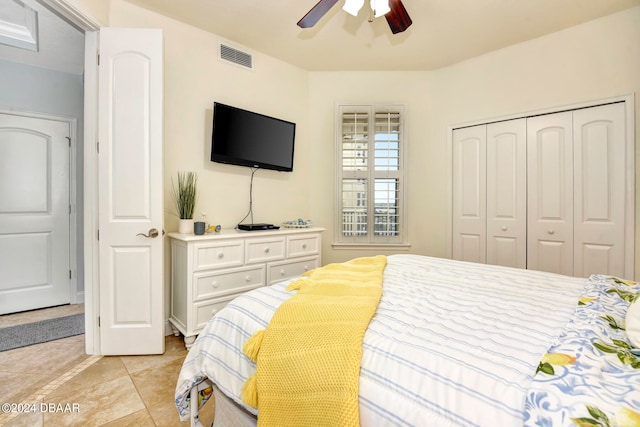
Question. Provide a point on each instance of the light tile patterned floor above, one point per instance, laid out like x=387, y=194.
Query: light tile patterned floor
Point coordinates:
x=66, y=387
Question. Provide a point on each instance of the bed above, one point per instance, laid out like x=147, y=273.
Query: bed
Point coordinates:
x=453, y=344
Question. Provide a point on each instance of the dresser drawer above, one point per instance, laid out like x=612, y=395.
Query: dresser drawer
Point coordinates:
x=208, y=271
x=221, y=254
x=208, y=284
x=277, y=272
x=263, y=250
x=303, y=245
x=206, y=310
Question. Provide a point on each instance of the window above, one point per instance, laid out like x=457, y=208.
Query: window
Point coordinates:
x=370, y=174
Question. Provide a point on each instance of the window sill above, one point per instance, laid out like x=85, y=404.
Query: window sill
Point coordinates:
x=372, y=246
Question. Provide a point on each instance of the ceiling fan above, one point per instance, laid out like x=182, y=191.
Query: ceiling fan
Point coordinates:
x=397, y=16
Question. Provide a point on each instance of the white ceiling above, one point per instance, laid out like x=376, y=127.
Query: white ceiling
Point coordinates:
x=443, y=31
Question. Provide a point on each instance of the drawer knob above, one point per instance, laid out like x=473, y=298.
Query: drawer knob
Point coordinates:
x=282, y=272
x=504, y=228
x=304, y=246
x=214, y=311
x=247, y=279
x=214, y=285
x=306, y=268
x=266, y=250
x=551, y=231
x=221, y=255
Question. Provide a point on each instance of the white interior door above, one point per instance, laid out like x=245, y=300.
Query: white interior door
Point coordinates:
x=599, y=162
x=550, y=193
x=469, y=189
x=34, y=213
x=507, y=193
x=130, y=192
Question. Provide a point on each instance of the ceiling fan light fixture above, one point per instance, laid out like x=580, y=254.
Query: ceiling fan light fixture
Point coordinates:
x=380, y=7
x=353, y=6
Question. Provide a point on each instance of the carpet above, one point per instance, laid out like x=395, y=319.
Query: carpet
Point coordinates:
x=41, y=331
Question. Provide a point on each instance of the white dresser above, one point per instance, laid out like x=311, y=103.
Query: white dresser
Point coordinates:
x=210, y=270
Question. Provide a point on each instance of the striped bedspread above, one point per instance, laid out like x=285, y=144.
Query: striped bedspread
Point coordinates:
x=451, y=344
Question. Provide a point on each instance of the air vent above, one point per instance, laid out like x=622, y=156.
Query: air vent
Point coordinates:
x=236, y=56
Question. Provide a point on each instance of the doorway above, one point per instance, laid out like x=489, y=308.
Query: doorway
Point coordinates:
x=42, y=84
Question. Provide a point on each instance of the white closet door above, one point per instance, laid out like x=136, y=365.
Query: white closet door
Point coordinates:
x=599, y=194
x=507, y=193
x=469, y=187
x=550, y=193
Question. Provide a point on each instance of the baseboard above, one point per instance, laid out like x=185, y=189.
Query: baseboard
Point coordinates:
x=79, y=298
x=168, y=330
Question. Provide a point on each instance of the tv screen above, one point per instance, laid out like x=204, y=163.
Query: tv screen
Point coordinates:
x=245, y=138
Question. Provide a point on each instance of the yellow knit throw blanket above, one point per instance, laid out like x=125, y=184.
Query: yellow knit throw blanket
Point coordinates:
x=308, y=357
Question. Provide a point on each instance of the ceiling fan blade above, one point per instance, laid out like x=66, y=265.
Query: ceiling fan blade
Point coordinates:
x=316, y=12
x=398, y=19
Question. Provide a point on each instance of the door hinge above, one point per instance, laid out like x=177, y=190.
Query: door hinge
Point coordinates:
x=98, y=234
x=69, y=209
x=98, y=59
x=98, y=147
x=69, y=274
x=69, y=139
x=98, y=321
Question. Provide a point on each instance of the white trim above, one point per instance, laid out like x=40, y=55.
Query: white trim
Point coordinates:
x=73, y=210
x=372, y=246
x=630, y=189
x=549, y=110
x=90, y=161
x=89, y=26
x=73, y=196
x=73, y=15
x=339, y=241
x=629, y=102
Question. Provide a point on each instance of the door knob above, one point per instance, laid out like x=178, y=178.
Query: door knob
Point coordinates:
x=153, y=233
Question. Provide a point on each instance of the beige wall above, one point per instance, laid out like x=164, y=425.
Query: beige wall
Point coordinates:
x=95, y=10
x=599, y=59
x=194, y=78
x=596, y=60
x=376, y=87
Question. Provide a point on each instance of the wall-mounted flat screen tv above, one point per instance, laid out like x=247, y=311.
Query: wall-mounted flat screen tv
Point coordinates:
x=245, y=138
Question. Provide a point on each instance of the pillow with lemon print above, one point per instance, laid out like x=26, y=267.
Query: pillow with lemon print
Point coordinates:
x=632, y=323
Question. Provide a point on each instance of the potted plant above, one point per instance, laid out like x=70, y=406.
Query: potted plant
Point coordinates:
x=184, y=196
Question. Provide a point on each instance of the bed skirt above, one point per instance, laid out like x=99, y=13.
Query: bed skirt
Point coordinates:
x=230, y=414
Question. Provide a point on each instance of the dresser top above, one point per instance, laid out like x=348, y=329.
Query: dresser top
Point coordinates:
x=234, y=233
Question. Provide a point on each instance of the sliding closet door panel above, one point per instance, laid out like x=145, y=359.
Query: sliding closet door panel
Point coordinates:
x=506, y=193
x=550, y=193
x=599, y=161
x=469, y=189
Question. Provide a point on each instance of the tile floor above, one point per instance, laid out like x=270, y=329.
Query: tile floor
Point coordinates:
x=67, y=387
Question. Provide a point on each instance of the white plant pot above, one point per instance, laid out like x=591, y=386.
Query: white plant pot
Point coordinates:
x=185, y=226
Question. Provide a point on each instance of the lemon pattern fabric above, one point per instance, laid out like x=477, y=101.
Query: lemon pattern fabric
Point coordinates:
x=589, y=377
x=308, y=358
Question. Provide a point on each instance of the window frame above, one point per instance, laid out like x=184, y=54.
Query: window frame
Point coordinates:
x=371, y=239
